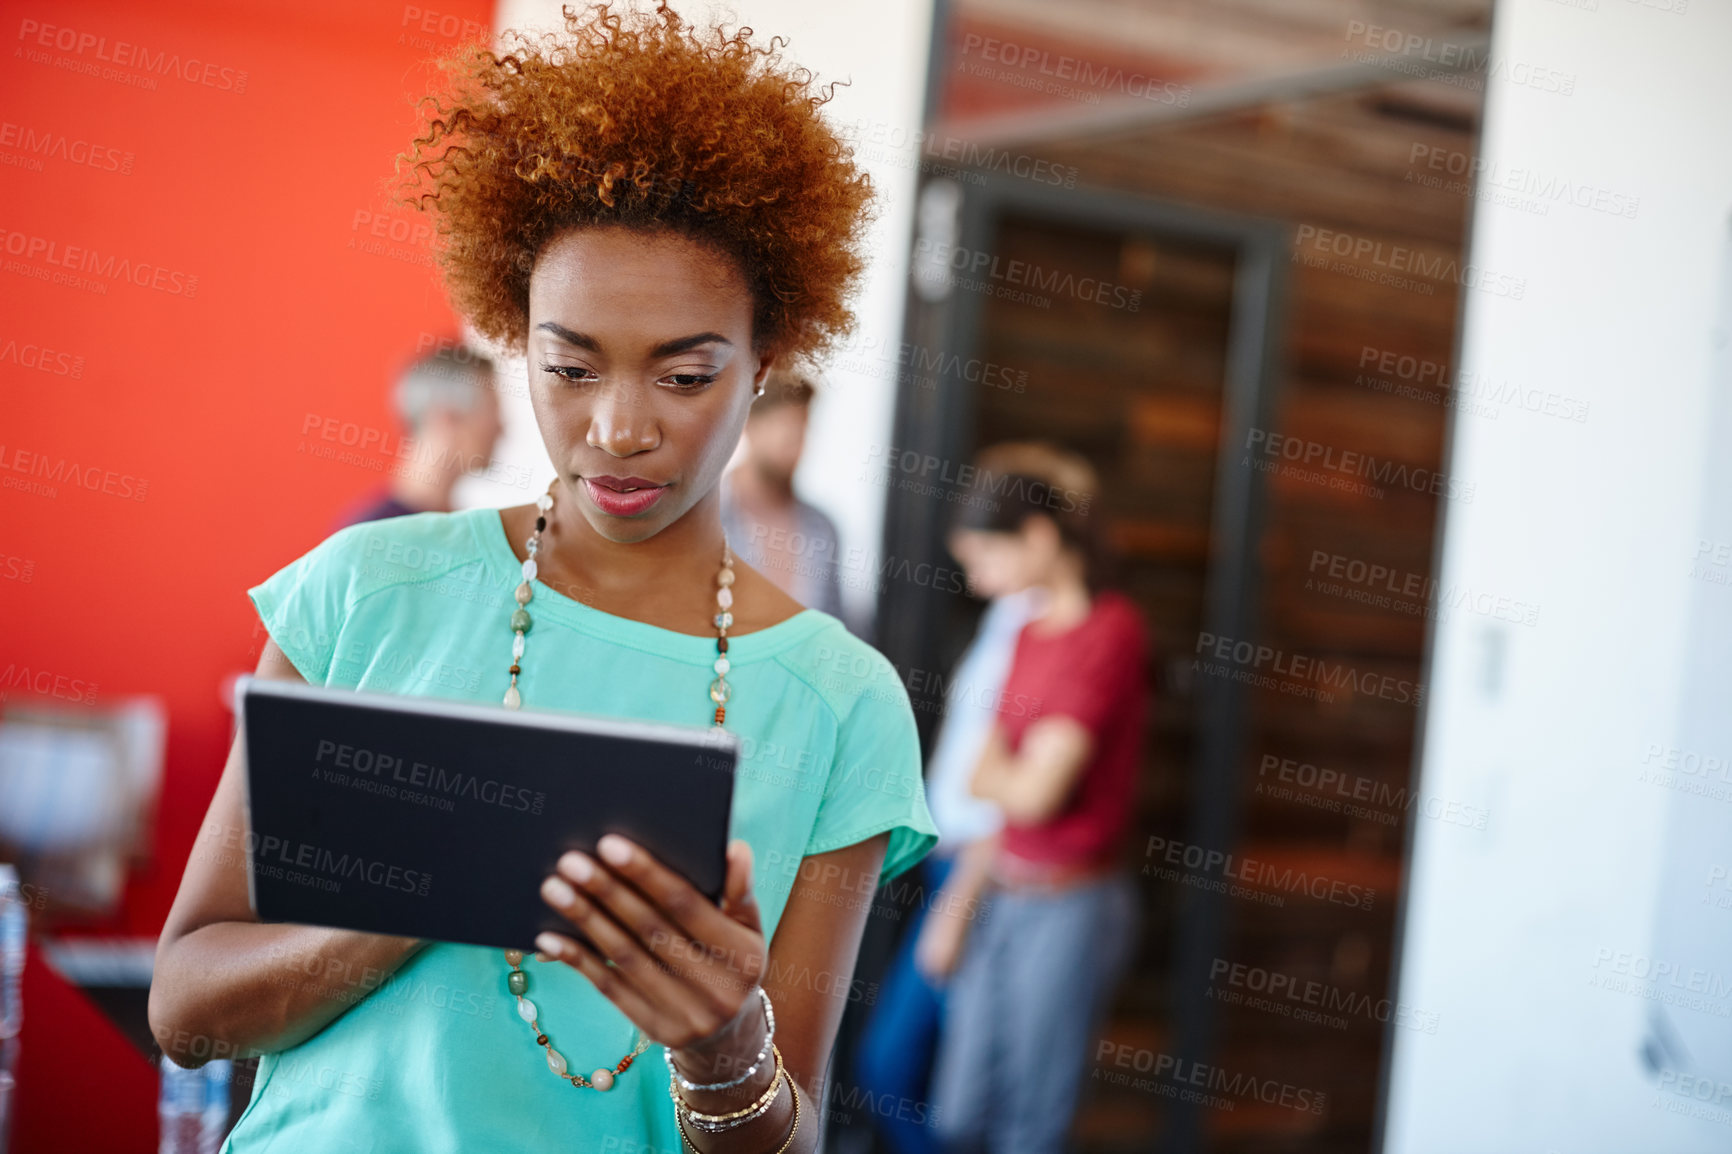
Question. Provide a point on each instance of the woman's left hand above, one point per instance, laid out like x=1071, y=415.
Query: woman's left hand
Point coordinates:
x=682, y=968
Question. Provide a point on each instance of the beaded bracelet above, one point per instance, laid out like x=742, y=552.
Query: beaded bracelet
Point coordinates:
x=685, y=1138
x=716, y=1123
x=769, y=1038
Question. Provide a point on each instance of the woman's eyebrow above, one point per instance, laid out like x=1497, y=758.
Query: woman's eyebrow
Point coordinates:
x=581, y=340
x=665, y=349
x=686, y=344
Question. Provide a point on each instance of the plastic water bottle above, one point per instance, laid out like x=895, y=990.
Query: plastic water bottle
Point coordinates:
x=13, y=919
x=218, y=1073
x=13, y=924
x=180, y=1109
x=8, y=1089
x=193, y=1108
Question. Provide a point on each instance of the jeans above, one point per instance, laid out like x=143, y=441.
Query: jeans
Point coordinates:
x=894, y=1059
x=1024, y=1008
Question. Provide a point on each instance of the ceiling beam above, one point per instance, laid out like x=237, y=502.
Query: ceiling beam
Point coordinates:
x=1129, y=115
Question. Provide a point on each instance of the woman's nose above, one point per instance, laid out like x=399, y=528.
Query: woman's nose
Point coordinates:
x=620, y=425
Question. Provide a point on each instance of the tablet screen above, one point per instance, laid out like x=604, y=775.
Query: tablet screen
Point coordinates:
x=434, y=819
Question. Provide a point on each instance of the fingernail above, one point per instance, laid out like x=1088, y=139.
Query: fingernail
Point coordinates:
x=615, y=849
x=577, y=867
x=556, y=891
x=547, y=944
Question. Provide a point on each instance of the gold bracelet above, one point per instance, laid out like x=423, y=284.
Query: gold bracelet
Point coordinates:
x=720, y=1121
x=793, y=1087
x=713, y=1128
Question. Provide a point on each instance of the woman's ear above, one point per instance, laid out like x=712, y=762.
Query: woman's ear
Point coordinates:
x=766, y=362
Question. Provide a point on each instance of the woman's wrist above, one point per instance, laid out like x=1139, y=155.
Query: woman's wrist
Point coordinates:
x=776, y=1129
x=728, y=1086
x=734, y=1058
x=717, y=1121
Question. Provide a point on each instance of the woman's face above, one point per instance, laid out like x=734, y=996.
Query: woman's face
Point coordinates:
x=641, y=372
x=997, y=564
x=776, y=437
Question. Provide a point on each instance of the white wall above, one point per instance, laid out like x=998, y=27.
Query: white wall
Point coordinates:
x=1509, y=929
x=881, y=49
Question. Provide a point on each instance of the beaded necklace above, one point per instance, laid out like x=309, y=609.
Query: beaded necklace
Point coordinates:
x=517, y=982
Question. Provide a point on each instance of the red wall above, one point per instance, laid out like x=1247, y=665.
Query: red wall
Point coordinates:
x=208, y=177
x=171, y=413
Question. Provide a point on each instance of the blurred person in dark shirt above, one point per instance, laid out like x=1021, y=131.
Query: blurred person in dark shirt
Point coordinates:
x=450, y=415
x=1036, y=925
x=788, y=540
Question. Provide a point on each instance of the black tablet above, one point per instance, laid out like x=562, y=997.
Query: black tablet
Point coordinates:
x=437, y=819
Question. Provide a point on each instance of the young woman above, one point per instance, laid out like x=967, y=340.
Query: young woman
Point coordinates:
x=1037, y=922
x=652, y=216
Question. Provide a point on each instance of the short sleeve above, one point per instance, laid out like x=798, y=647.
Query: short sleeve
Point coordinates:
x=304, y=604
x=875, y=782
x=1107, y=664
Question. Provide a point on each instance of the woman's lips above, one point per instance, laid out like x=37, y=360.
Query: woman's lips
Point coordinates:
x=622, y=496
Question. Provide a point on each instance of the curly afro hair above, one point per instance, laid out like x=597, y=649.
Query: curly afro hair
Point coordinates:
x=641, y=121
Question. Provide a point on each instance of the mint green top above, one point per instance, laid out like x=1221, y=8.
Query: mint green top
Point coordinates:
x=437, y=1059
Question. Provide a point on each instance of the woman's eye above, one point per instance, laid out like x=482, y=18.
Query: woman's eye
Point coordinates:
x=691, y=380
x=572, y=373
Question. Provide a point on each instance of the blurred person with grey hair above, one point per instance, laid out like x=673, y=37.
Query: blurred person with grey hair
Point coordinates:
x=450, y=416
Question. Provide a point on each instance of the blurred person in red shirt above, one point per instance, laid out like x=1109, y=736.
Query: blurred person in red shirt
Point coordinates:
x=450, y=414
x=1055, y=910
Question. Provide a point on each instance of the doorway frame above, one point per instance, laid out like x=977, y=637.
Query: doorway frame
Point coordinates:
x=940, y=422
